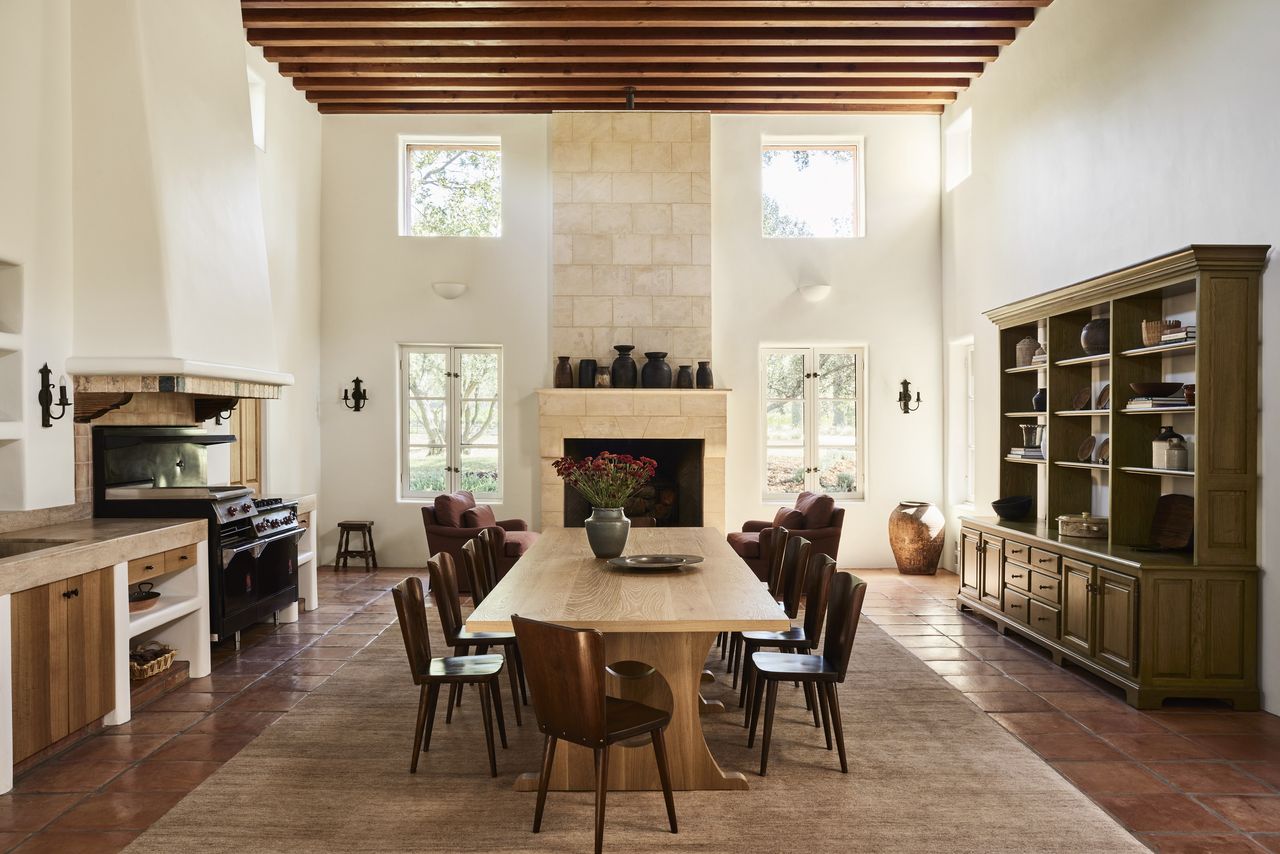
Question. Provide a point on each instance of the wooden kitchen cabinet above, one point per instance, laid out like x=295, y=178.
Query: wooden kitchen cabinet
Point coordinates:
x=63, y=638
x=245, y=424
x=1077, y=606
x=970, y=561
x=1117, y=596
x=992, y=571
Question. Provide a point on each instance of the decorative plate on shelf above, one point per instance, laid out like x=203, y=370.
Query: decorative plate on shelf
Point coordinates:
x=654, y=562
x=1104, y=397
x=1104, y=451
x=1085, y=454
x=1083, y=399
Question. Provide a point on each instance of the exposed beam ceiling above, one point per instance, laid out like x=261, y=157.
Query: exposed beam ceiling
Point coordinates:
x=523, y=56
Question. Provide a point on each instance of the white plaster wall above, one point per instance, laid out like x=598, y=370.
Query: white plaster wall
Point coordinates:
x=289, y=183
x=377, y=294
x=1106, y=134
x=885, y=294
x=35, y=234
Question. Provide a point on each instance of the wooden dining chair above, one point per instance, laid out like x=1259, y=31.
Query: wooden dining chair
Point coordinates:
x=825, y=671
x=777, y=546
x=444, y=589
x=567, y=679
x=474, y=564
x=802, y=638
x=786, y=583
x=491, y=554
x=430, y=673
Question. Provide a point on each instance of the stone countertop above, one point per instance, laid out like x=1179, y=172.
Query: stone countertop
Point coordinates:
x=306, y=502
x=90, y=544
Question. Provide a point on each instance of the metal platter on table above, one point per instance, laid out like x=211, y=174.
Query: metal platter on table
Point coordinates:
x=654, y=562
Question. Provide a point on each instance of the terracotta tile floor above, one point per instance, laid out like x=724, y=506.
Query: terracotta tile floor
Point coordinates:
x=1193, y=779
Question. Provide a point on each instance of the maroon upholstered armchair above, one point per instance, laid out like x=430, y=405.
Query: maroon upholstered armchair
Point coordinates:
x=815, y=517
x=456, y=518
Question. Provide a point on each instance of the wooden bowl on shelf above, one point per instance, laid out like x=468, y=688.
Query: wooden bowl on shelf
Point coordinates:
x=1014, y=508
x=1155, y=389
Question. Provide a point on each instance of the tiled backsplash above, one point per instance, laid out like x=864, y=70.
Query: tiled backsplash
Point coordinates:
x=631, y=219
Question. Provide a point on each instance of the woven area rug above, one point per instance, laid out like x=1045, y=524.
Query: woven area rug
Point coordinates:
x=928, y=771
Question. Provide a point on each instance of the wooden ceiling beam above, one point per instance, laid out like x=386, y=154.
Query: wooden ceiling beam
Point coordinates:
x=535, y=15
x=644, y=99
x=566, y=70
x=640, y=4
x=569, y=38
x=578, y=53
x=553, y=83
x=716, y=106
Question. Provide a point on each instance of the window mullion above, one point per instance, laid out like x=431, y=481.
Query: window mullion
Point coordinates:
x=455, y=419
x=810, y=421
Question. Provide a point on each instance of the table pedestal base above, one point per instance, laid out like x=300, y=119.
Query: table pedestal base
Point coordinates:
x=677, y=660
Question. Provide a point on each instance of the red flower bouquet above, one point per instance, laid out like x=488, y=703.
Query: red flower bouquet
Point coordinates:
x=606, y=480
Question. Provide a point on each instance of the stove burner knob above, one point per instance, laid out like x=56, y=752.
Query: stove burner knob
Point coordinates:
x=246, y=507
x=275, y=523
x=231, y=511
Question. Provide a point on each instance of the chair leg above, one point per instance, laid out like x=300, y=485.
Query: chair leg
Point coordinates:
x=747, y=672
x=811, y=702
x=660, y=754
x=722, y=641
x=833, y=700
x=548, y=756
x=735, y=658
x=826, y=714
x=342, y=547
x=495, y=690
x=373, y=551
x=488, y=728
x=602, y=789
x=417, y=730
x=433, y=699
x=768, y=726
x=455, y=693
x=756, y=697
x=515, y=683
x=524, y=689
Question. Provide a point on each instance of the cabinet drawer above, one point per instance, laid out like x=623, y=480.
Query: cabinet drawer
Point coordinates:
x=1044, y=561
x=140, y=569
x=1015, y=605
x=1045, y=586
x=1043, y=618
x=1017, y=551
x=180, y=558
x=1017, y=576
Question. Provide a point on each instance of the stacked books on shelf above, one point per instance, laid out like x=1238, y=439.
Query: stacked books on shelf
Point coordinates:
x=1040, y=359
x=1026, y=453
x=1179, y=335
x=1157, y=402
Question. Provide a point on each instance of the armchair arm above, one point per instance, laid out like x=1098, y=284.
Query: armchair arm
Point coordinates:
x=826, y=540
x=451, y=533
x=755, y=526
x=513, y=524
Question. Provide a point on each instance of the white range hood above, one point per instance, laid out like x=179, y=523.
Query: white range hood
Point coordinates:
x=170, y=262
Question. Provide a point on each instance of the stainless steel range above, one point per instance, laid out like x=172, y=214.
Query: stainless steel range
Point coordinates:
x=253, y=542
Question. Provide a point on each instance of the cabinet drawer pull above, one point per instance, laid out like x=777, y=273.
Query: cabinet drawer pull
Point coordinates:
x=182, y=557
x=74, y=591
x=1045, y=560
x=1044, y=586
x=149, y=568
x=1019, y=575
x=1042, y=619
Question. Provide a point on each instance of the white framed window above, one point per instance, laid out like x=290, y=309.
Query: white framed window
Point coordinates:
x=450, y=420
x=257, y=108
x=811, y=187
x=958, y=142
x=450, y=187
x=814, y=410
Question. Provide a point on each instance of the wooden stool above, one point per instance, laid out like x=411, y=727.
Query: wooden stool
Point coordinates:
x=366, y=551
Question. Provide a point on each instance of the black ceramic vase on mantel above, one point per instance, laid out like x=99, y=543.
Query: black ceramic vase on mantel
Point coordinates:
x=624, y=373
x=656, y=373
x=563, y=377
x=684, y=377
x=705, y=379
x=586, y=373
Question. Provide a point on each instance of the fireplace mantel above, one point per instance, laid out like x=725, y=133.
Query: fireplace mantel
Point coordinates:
x=590, y=413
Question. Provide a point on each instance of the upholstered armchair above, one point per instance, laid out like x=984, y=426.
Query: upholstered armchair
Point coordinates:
x=814, y=517
x=455, y=518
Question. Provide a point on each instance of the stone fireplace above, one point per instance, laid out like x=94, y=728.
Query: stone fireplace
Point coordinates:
x=673, y=498
x=689, y=429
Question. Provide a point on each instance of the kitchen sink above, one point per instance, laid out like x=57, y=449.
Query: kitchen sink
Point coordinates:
x=12, y=548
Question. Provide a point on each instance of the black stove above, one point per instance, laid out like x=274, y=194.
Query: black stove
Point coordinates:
x=152, y=472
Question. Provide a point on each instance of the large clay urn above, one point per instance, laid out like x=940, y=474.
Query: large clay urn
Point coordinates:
x=916, y=532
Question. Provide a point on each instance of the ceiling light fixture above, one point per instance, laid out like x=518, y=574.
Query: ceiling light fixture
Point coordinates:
x=449, y=290
x=814, y=292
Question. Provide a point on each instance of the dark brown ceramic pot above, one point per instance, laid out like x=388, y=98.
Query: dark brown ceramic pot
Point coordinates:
x=916, y=533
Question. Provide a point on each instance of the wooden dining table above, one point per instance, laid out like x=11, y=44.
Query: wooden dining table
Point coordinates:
x=659, y=627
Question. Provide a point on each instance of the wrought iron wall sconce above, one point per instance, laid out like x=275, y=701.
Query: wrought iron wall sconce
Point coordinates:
x=45, y=397
x=904, y=398
x=354, y=398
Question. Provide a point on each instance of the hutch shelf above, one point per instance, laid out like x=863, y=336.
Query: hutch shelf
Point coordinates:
x=1158, y=623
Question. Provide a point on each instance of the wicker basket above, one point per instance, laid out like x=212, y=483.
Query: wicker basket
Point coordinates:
x=161, y=659
x=1154, y=330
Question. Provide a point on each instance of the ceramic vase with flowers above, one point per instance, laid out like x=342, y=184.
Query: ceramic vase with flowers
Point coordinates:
x=606, y=481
